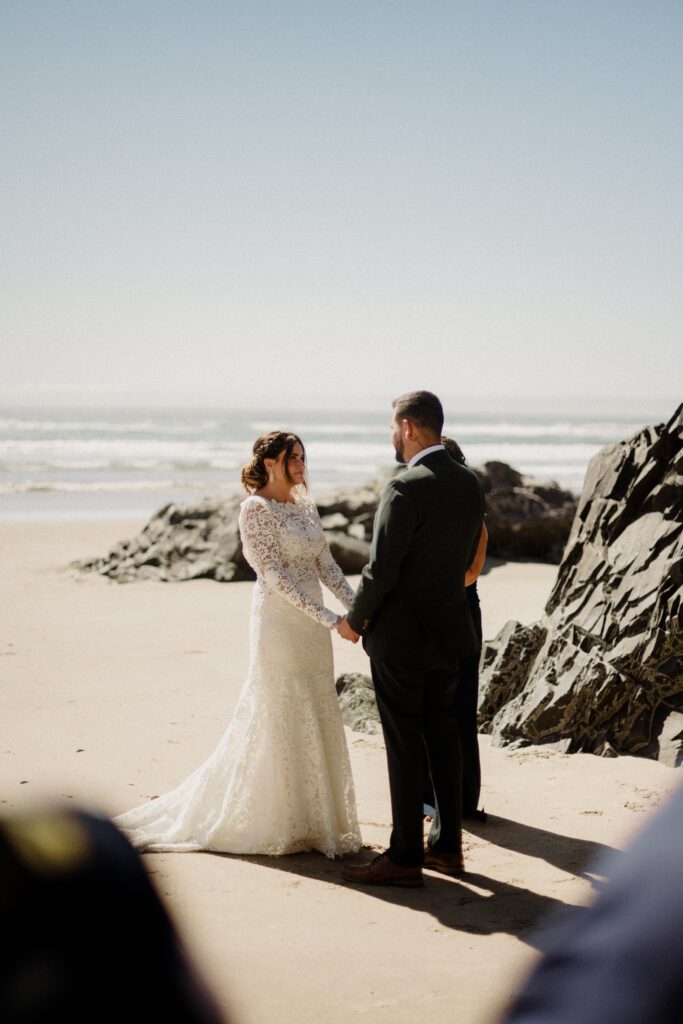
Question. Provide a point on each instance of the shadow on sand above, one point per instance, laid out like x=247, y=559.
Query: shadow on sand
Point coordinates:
x=575, y=856
x=474, y=904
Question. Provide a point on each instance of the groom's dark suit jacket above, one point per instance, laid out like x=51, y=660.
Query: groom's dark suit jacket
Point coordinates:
x=411, y=602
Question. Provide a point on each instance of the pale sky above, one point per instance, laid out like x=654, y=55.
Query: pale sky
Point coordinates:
x=315, y=203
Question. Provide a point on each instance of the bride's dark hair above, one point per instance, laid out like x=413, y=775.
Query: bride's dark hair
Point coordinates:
x=254, y=475
x=454, y=450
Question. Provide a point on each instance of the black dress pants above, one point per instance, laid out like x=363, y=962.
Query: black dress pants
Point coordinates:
x=417, y=709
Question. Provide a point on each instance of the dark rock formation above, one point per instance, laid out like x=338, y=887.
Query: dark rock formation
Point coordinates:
x=186, y=543
x=203, y=541
x=358, y=702
x=602, y=672
x=526, y=520
x=349, y=552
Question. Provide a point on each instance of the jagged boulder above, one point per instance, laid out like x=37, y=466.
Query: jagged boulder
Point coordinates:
x=193, y=542
x=350, y=552
x=203, y=541
x=358, y=702
x=603, y=670
x=526, y=520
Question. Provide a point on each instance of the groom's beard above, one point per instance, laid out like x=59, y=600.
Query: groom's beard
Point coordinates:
x=398, y=449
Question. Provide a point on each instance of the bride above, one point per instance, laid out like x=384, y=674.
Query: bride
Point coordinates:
x=279, y=780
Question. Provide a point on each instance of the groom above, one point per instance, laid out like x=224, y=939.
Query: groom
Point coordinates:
x=412, y=612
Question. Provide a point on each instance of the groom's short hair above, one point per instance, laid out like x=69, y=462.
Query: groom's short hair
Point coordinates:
x=422, y=408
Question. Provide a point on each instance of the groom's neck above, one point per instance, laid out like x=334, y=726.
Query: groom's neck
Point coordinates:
x=417, y=445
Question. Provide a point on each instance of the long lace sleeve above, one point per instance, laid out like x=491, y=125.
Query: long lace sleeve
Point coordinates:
x=262, y=551
x=333, y=578
x=330, y=574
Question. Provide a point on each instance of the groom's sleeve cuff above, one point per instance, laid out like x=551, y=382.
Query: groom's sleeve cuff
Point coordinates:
x=357, y=625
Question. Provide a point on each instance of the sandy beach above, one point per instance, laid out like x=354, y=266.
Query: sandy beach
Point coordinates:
x=113, y=693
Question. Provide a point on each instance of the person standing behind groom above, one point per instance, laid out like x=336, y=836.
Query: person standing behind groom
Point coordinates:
x=411, y=609
x=467, y=693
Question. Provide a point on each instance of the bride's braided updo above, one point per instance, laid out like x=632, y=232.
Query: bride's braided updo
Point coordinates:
x=254, y=475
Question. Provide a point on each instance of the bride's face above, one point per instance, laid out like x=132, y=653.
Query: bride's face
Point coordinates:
x=296, y=464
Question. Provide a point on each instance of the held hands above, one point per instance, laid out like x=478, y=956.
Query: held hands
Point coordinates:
x=345, y=631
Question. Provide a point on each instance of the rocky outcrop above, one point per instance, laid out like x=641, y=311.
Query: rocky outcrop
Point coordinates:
x=203, y=542
x=358, y=702
x=526, y=520
x=603, y=670
x=186, y=543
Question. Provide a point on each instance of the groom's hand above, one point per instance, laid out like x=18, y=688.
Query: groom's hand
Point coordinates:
x=346, y=632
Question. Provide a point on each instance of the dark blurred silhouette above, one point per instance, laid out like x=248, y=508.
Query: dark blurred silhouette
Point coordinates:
x=621, y=960
x=83, y=934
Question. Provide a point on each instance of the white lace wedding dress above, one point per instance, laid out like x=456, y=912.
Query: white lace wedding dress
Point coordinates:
x=280, y=779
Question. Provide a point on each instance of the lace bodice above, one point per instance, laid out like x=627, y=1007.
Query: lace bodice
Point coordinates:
x=285, y=545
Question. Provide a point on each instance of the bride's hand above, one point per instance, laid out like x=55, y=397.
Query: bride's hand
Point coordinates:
x=345, y=631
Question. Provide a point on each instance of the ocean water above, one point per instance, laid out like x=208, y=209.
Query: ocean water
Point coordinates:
x=87, y=463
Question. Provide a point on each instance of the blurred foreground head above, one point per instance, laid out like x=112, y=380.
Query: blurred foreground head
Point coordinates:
x=619, y=961
x=82, y=931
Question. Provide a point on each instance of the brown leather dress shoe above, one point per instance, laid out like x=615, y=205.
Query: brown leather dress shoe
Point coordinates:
x=383, y=871
x=445, y=863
